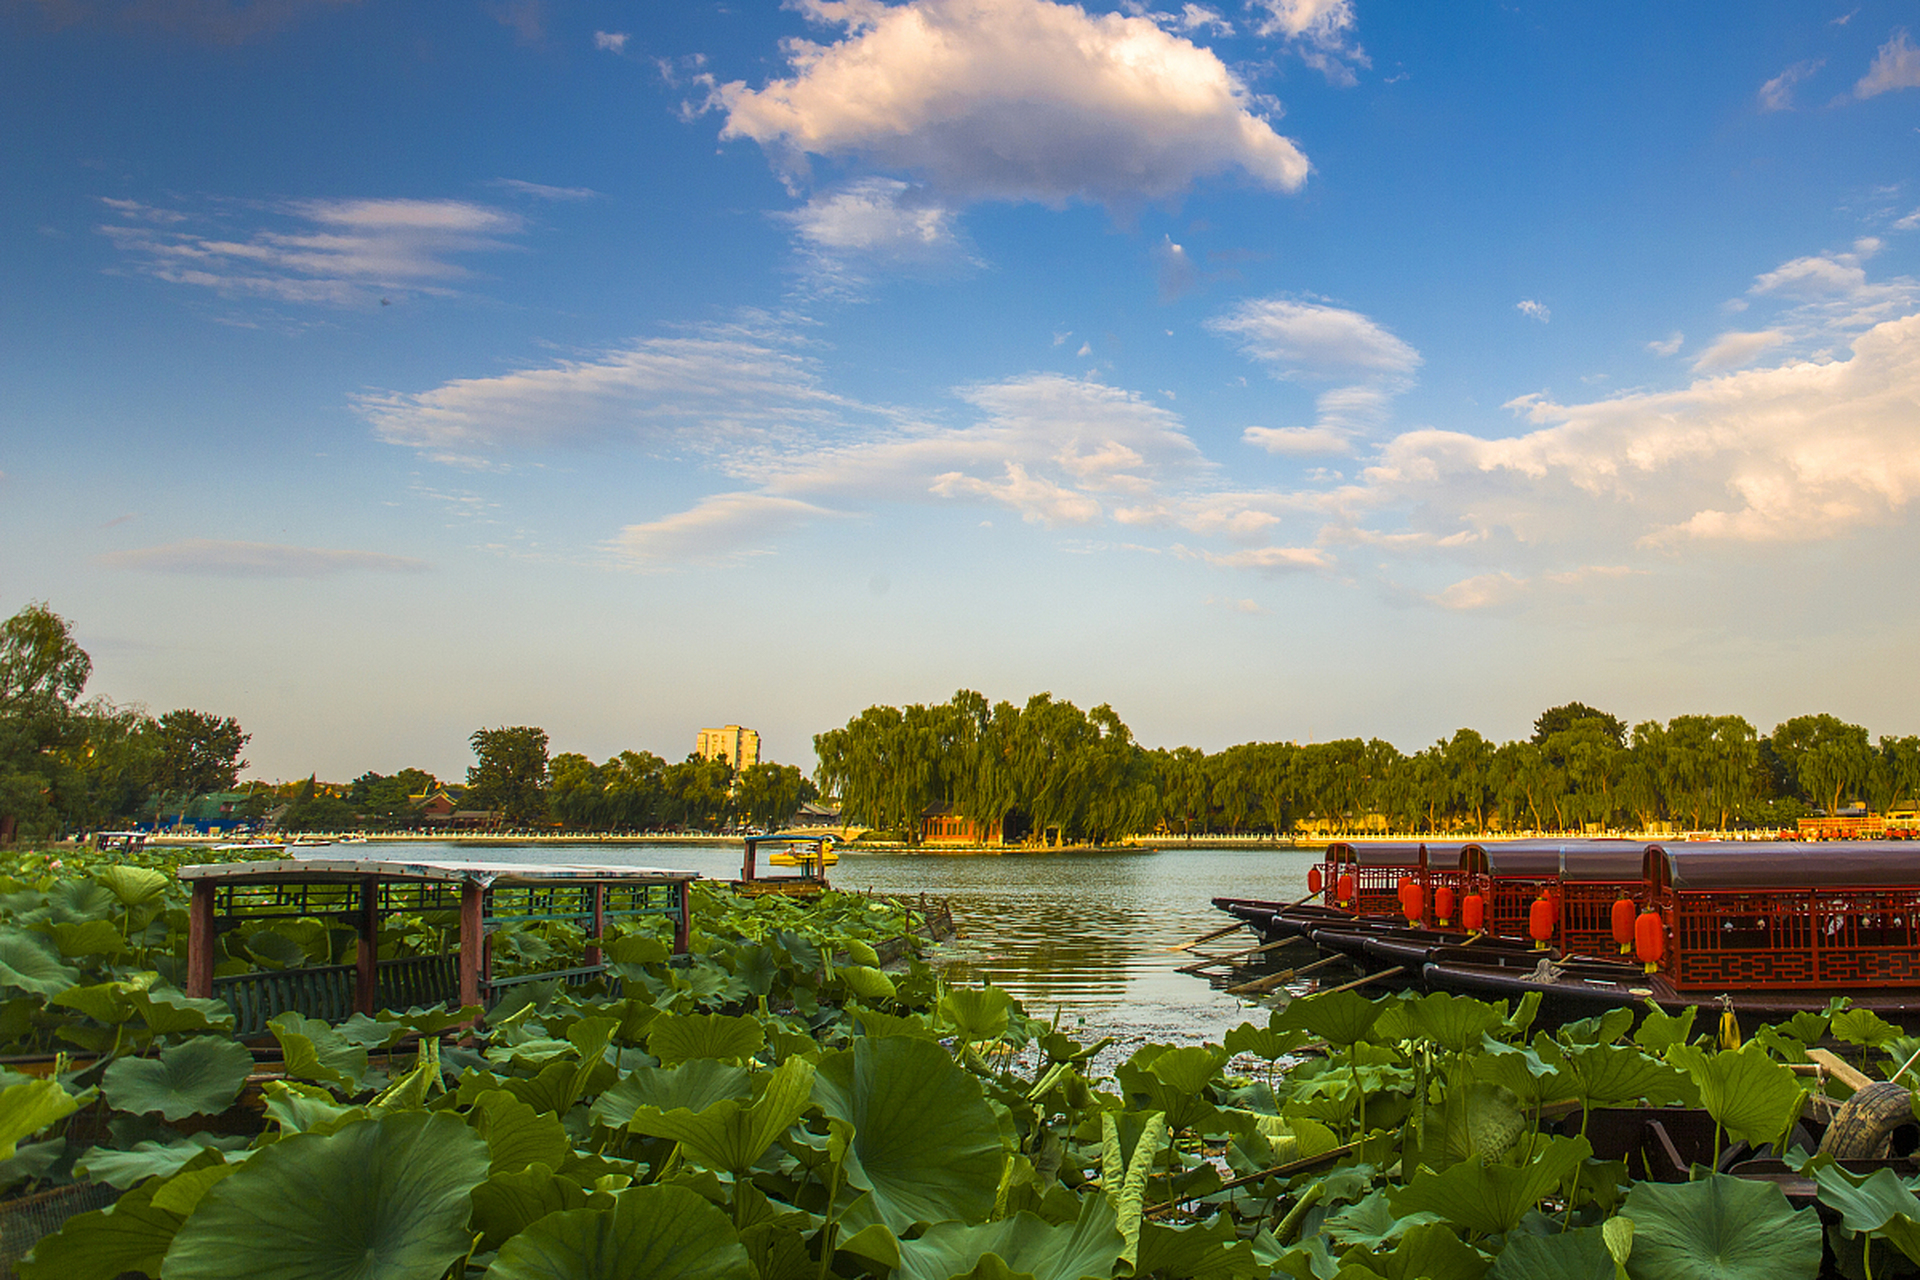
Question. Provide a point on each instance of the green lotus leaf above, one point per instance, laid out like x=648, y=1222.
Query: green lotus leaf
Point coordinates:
x=1190, y=1069
x=976, y=1013
x=1479, y=1120
x=1371, y=1223
x=1882, y=1205
x=108, y=1002
x=30, y=962
x=508, y=1203
x=676, y=1038
x=149, y=1159
x=198, y=1077
x=1430, y=1251
x=1604, y=1028
x=873, y=1022
x=925, y=1141
x=1863, y=1027
x=306, y=1108
x=861, y=953
x=1341, y=1018
x=314, y=1051
x=1488, y=1199
x=384, y=1199
x=636, y=949
x=429, y=1020
x=1025, y=1244
x=651, y=1233
x=1720, y=1228
x=168, y=1012
x=517, y=1135
x=1455, y=1023
x=730, y=1135
x=1660, y=1030
x=694, y=1085
x=1263, y=1042
x=133, y=886
x=93, y=938
x=1532, y=1078
x=1607, y=1075
x=29, y=1107
x=184, y=1190
x=1747, y=1093
x=78, y=901
x=131, y=1235
x=1574, y=1255
x=271, y=947
x=866, y=981
x=1207, y=1249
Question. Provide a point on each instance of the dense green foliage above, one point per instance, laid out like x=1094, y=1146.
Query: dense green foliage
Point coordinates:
x=780, y=1108
x=1050, y=768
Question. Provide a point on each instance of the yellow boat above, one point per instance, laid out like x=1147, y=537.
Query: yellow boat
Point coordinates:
x=805, y=853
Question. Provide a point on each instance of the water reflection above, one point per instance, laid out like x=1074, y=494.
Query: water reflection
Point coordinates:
x=1087, y=934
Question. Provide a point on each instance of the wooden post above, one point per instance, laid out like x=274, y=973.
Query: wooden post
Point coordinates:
x=683, y=927
x=200, y=941
x=366, y=956
x=746, y=867
x=599, y=920
x=473, y=940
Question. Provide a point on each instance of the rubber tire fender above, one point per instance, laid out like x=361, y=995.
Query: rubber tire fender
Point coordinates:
x=1867, y=1121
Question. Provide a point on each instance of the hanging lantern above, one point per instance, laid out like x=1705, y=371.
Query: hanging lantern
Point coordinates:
x=1343, y=889
x=1413, y=900
x=1314, y=880
x=1540, y=922
x=1649, y=940
x=1623, y=924
x=1473, y=913
x=1443, y=905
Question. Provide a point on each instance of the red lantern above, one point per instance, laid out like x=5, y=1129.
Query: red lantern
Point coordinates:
x=1343, y=889
x=1314, y=880
x=1650, y=939
x=1443, y=904
x=1623, y=924
x=1413, y=904
x=1540, y=922
x=1473, y=913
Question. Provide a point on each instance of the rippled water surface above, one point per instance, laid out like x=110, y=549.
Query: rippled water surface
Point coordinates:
x=1086, y=933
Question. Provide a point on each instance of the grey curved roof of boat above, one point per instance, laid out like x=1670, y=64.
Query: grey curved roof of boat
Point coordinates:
x=1565, y=859
x=1788, y=864
x=1381, y=854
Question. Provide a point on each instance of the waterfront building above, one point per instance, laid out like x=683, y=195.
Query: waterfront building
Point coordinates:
x=737, y=746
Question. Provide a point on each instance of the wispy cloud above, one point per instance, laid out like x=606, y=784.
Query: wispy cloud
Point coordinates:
x=207, y=558
x=611, y=41
x=1533, y=310
x=1012, y=100
x=540, y=191
x=1319, y=31
x=1897, y=66
x=1731, y=350
x=1668, y=345
x=870, y=227
x=1314, y=342
x=332, y=252
x=1777, y=93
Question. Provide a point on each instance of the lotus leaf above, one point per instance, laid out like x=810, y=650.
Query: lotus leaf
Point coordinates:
x=201, y=1076
x=1747, y=1093
x=108, y=1002
x=133, y=886
x=651, y=1233
x=184, y=1190
x=315, y=1051
x=517, y=1135
x=1025, y=1245
x=1208, y=1249
x=271, y=947
x=305, y=1108
x=1125, y=1174
x=1881, y=1205
x=1263, y=1042
x=131, y=1235
x=1606, y=1075
x=1455, y=1023
x=873, y=1022
x=1531, y=1078
x=1660, y=1030
x=149, y=1159
x=94, y=938
x=1720, y=1228
x=29, y=1107
x=925, y=1141
x=636, y=949
x=866, y=981
x=860, y=952
x=169, y=1012
x=1574, y=1255
x=1863, y=1027
x=976, y=1013
x=30, y=962
x=1431, y=1251
x=1371, y=1223
x=1605, y=1028
x=694, y=1085
x=384, y=1199
x=1340, y=1018
x=677, y=1038
x=1478, y=1120
x=729, y=1135
x=508, y=1203
x=1488, y=1199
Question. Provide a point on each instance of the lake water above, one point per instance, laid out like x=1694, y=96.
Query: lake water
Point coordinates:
x=1084, y=933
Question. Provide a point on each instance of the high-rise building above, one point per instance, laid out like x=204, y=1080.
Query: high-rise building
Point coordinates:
x=738, y=747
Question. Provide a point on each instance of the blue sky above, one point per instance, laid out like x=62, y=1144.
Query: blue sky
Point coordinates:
x=1293, y=369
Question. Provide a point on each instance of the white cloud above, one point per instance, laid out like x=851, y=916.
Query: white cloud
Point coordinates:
x=1533, y=310
x=1298, y=441
x=540, y=191
x=1731, y=350
x=1482, y=591
x=1037, y=499
x=337, y=252
x=1013, y=100
x=611, y=41
x=1307, y=338
x=1198, y=17
x=1813, y=277
x=1318, y=30
x=876, y=224
x=1668, y=345
x=1909, y=223
x=208, y=558
x=1777, y=93
x=719, y=528
x=1178, y=275
x=1897, y=66
x=1269, y=561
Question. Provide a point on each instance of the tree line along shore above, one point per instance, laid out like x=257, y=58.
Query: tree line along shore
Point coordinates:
x=980, y=773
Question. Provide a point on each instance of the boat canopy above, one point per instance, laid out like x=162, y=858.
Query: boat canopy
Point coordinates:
x=1707, y=866
x=1370, y=854
x=1519, y=859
